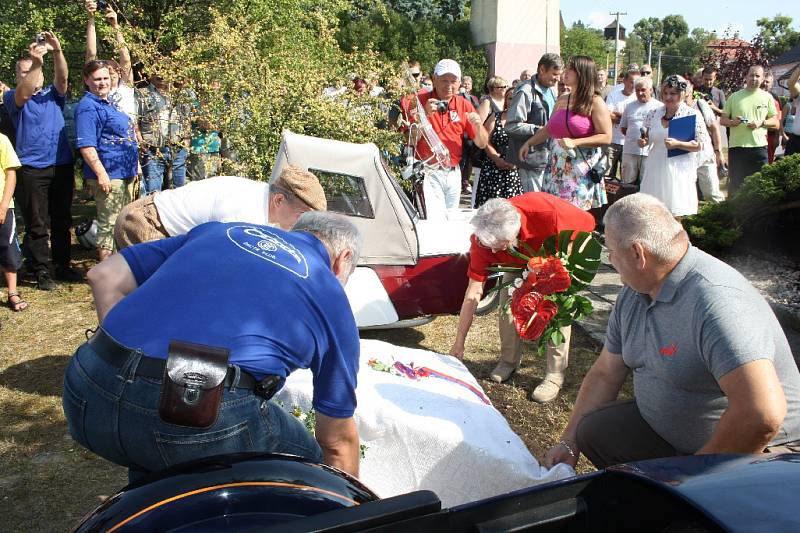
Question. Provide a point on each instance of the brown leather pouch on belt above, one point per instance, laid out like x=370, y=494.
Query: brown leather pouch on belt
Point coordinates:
x=191, y=389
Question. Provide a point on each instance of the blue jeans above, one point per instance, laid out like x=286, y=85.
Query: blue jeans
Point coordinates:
x=114, y=413
x=155, y=162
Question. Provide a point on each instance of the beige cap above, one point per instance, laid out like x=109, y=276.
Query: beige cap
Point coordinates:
x=304, y=185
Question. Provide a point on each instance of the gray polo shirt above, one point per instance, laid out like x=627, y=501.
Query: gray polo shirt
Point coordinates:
x=706, y=321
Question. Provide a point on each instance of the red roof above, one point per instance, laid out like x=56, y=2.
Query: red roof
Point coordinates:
x=729, y=46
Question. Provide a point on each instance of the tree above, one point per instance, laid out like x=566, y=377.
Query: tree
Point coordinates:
x=777, y=34
x=649, y=30
x=732, y=71
x=396, y=37
x=674, y=28
x=580, y=40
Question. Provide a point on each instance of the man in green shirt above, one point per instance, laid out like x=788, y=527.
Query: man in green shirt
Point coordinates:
x=748, y=113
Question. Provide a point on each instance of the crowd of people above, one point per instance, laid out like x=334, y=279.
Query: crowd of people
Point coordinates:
x=565, y=130
x=545, y=144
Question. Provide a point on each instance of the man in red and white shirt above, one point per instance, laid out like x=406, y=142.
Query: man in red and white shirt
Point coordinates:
x=500, y=224
x=450, y=117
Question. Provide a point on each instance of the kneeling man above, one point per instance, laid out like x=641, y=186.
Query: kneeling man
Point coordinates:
x=220, y=199
x=712, y=369
x=275, y=299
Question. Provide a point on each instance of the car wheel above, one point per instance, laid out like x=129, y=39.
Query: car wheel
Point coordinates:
x=488, y=304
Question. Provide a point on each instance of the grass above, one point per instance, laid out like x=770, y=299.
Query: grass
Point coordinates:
x=48, y=482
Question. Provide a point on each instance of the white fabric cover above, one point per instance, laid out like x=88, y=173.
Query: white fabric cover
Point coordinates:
x=430, y=434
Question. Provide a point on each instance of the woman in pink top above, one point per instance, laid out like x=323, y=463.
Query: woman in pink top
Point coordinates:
x=580, y=123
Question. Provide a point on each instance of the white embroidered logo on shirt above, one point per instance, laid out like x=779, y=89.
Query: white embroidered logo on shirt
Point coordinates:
x=265, y=244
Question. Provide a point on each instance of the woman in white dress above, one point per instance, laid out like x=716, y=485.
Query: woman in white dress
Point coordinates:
x=673, y=179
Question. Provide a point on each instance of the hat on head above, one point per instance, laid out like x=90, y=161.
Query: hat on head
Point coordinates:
x=304, y=185
x=447, y=66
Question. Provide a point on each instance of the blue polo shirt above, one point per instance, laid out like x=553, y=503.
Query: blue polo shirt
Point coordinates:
x=267, y=295
x=41, y=136
x=102, y=126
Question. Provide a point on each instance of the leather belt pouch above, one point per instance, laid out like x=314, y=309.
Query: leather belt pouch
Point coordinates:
x=191, y=390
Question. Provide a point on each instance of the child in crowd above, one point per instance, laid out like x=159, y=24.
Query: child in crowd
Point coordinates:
x=10, y=255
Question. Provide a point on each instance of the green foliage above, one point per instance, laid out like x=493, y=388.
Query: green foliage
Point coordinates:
x=254, y=82
x=674, y=28
x=717, y=227
x=20, y=23
x=713, y=228
x=649, y=30
x=398, y=36
x=777, y=34
x=683, y=56
x=580, y=40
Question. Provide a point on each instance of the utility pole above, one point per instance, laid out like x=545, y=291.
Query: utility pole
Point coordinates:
x=616, y=45
x=650, y=50
x=659, y=67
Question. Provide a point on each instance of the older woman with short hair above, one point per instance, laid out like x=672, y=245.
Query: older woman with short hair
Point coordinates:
x=673, y=179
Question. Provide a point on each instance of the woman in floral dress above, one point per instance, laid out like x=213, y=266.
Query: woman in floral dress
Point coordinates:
x=580, y=123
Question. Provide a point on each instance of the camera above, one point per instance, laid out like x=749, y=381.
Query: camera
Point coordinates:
x=594, y=175
x=102, y=5
x=441, y=106
x=743, y=120
x=706, y=97
x=643, y=133
x=40, y=38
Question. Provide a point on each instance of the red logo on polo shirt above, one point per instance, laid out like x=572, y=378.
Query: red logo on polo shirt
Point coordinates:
x=669, y=351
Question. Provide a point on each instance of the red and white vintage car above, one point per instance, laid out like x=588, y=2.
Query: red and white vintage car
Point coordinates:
x=411, y=269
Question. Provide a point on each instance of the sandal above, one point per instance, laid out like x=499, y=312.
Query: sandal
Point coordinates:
x=19, y=305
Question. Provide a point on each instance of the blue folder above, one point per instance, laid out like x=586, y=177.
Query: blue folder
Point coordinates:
x=681, y=129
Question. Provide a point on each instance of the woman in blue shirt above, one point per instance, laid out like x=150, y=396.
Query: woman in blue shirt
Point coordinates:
x=107, y=143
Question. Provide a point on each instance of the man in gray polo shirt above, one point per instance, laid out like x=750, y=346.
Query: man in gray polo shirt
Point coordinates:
x=712, y=369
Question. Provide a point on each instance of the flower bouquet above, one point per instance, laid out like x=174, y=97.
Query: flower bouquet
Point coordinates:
x=544, y=293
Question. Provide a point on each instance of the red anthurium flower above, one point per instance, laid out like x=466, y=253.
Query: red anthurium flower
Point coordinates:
x=547, y=275
x=532, y=312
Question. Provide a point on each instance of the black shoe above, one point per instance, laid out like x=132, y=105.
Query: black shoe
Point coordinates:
x=69, y=274
x=44, y=282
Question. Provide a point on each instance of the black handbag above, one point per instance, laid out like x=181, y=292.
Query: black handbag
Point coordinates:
x=192, y=386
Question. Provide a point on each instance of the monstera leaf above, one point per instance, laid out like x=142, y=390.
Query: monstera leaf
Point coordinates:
x=546, y=284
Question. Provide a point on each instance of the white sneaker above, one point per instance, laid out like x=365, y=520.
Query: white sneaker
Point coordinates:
x=548, y=389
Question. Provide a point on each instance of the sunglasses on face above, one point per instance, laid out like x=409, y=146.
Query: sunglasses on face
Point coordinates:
x=416, y=74
x=501, y=86
x=646, y=72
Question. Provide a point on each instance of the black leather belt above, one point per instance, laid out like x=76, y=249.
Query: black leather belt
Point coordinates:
x=117, y=355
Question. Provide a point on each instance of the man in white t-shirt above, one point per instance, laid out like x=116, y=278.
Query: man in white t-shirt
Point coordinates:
x=616, y=102
x=222, y=199
x=633, y=155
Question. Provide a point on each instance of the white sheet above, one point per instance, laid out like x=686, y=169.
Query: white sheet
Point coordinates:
x=431, y=433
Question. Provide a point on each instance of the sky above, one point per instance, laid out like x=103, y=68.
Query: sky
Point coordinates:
x=712, y=15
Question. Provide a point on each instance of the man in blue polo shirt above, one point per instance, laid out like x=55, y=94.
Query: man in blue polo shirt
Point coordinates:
x=275, y=299
x=45, y=181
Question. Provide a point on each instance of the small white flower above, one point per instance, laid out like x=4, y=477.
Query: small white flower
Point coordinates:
x=525, y=273
x=518, y=283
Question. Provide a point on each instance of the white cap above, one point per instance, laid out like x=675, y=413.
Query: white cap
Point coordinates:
x=447, y=66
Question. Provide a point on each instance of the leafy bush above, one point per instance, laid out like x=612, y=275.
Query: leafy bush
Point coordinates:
x=717, y=227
